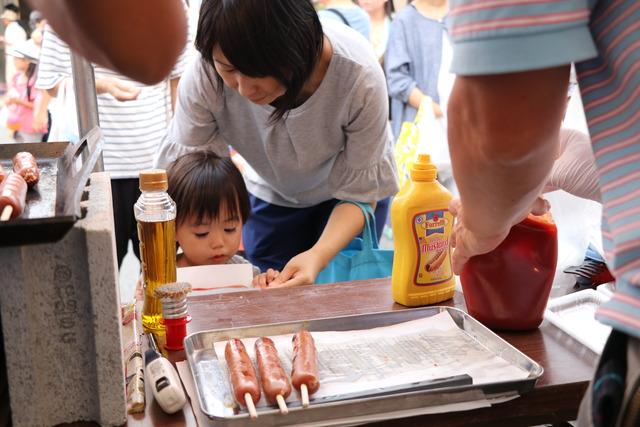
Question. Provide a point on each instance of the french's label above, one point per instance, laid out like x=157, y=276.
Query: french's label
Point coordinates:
x=431, y=231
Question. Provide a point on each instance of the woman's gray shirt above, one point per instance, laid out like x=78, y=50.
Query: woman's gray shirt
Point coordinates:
x=335, y=145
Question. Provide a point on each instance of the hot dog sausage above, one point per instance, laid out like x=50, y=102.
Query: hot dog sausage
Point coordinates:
x=273, y=377
x=305, y=362
x=243, y=376
x=24, y=164
x=13, y=192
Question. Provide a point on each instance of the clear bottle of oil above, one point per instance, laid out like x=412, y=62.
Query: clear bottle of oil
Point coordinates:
x=155, y=213
x=422, y=226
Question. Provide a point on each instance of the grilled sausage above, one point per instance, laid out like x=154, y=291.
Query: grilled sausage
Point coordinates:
x=24, y=164
x=243, y=377
x=305, y=362
x=13, y=192
x=273, y=377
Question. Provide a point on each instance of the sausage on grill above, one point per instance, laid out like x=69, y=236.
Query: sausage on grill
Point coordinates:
x=13, y=192
x=24, y=164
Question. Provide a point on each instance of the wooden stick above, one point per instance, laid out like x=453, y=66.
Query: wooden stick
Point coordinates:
x=250, y=406
x=305, y=395
x=282, y=405
x=6, y=213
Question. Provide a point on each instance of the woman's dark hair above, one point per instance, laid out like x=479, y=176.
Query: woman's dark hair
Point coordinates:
x=201, y=182
x=275, y=38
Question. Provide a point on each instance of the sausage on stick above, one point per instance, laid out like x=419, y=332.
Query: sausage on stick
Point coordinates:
x=304, y=372
x=13, y=197
x=24, y=164
x=275, y=382
x=244, y=380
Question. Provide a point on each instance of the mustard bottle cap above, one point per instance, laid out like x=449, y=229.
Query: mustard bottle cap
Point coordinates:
x=423, y=169
x=153, y=180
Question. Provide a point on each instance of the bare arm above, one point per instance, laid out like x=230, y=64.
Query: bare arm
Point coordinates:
x=173, y=86
x=503, y=139
x=141, y=39
x=346, y=222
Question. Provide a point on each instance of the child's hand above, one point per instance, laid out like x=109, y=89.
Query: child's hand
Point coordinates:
x=11, y=101
x=262, y=280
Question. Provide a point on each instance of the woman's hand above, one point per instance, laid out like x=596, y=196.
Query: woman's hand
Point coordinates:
x=263, y=280
x=302, y=269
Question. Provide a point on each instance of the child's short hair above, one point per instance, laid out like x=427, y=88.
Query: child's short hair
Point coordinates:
x=200, y=182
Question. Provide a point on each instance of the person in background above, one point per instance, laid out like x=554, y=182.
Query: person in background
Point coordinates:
x=212, y=205
x=347, y=12
x=13, y=34
x=113, y=34
x=512, y=65
x=23, y=97
x=413, y=59
x=380, y=15
x=37, y=22
x=41, y=114
x=133, y=119
x=305, y=105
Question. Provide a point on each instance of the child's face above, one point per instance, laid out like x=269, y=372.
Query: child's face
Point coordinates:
x=210, y=242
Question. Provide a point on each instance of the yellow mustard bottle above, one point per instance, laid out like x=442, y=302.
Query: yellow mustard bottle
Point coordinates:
x=422, y=226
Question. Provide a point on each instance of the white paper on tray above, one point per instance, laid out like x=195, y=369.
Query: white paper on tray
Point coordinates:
x=207, y=279
x=203, y=421
x=417, y=350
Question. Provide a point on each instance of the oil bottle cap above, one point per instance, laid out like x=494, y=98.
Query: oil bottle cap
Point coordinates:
x=153, y=180
x=423, y=169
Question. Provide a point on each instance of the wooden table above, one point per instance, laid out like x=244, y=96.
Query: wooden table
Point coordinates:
x=568, y=365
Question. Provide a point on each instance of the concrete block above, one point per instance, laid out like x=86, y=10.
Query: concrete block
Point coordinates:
x=61, y=322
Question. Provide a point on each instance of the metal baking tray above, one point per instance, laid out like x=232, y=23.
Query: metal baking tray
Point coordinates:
x=206, y=372
x=574, y=315
x=53, y=206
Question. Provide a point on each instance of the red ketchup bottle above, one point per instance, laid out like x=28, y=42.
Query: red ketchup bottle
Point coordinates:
x=508, y=288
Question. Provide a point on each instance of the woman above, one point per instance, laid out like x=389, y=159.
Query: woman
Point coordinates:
x=380, y=14
x=413, y=59
x=306, y=108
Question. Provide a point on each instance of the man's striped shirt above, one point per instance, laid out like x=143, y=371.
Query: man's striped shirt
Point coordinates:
x=132, y=130
x=603, y=38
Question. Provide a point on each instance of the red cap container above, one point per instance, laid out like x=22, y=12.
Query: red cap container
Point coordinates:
x=508, y=288
x=176, y=331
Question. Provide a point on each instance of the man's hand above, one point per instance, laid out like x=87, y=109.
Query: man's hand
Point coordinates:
x=119, y=89
x=263, y=280
x=302, y=269
x=468, y=244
